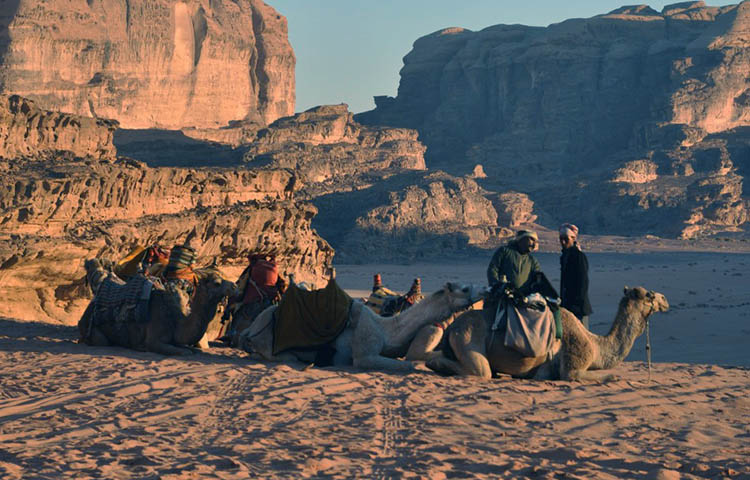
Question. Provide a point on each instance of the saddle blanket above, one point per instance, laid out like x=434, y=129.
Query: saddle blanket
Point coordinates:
x=123, y=302
x=307, y=319
x=529, y=331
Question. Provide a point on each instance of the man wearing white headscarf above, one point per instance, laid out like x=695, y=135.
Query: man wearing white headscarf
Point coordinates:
x=514, y=261
x=574, y=275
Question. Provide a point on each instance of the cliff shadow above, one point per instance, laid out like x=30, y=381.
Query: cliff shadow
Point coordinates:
x=172, y=148
x=8, y=10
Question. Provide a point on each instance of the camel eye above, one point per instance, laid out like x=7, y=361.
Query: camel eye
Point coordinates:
x=465, y=289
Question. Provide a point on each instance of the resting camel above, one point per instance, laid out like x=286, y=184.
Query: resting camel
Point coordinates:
x=175, y=321
x=369, y=341
x=476, y=352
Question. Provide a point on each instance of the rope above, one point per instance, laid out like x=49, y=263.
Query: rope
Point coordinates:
x=648, y=347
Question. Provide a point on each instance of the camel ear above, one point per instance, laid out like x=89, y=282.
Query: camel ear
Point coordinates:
x=449, y=286
x=625, y=290
x=637, y=293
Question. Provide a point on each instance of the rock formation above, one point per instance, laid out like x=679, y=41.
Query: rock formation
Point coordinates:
x=150, y=63
x=325, y=144
x=27, y=131
x=411, y=217
x=70, y=198
x=375, y=200
x=552, y=112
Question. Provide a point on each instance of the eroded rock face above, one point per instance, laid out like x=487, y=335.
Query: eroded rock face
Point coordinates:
x=514, y=209
x=42, y=274
x=150, y=63
x=325, y=143
x=555, y=111
x=52, y=197
x=28, y=131
x=432, y=216
x=59, y=207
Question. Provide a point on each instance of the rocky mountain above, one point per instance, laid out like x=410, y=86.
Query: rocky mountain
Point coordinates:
x=325, y=145
x=163, y=64
x=375, y=197
x=58, y=209
x=622, y=106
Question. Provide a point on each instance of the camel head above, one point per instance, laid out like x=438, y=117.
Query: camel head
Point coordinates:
x=212, y=285
x=96, y=272
x=648, y=300
x=461, y=296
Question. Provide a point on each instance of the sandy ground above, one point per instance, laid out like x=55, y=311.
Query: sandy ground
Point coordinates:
x=72, y=411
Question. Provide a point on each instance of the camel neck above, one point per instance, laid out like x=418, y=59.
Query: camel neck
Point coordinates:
x=191, y=328
x=400, y=329
x=628, y=325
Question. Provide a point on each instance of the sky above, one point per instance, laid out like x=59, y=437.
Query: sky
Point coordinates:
x=351, y=50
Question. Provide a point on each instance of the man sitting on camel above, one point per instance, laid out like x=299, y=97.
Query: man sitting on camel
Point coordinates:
x=513, y=263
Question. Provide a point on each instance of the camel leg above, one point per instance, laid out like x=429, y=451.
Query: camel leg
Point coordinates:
x=97, y=339
x=377, y=362
x=424, y=343
x=367, y=344
x=285, y=357
x=443, y=365
x=468, y=344
x=203, y=342
x=167, y=349
x=474, y=363
x=546, y=371
x=589, y=376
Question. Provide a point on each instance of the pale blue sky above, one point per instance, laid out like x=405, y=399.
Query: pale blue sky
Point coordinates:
x=349, y=50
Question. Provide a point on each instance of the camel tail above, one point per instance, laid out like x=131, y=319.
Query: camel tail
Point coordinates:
x=95, y=273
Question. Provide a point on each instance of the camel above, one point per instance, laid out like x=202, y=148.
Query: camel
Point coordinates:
x=244, y=317
x=424, y=344
x=175, y=321
x=369, y=341
x=478, y=353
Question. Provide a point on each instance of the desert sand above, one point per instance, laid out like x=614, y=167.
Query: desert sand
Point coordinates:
x=72, y=411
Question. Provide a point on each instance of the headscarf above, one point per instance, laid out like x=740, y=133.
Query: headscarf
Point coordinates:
x=569, y=230
x=526, y=233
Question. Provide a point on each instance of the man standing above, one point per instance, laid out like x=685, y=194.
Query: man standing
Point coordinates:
x=574, y=275
x=514, y=261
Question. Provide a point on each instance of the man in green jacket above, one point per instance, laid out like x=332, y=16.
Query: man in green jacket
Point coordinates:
x=514, y=261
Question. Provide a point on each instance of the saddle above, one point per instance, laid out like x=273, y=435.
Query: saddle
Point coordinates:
x=123, y=302
x=531, y=321
x=310, y=319
x=387, y=303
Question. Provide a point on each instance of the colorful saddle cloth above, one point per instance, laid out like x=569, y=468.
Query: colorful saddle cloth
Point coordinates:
x=122, y=302
x=308, y=319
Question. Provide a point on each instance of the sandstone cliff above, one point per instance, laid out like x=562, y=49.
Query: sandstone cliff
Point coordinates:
x=553, y=112
x=59, y=206
x=28, y=131
x=325, y=144
x=150, y=63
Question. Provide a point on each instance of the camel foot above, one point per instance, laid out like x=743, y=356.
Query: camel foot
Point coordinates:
x=203, y=343
x=443, y=366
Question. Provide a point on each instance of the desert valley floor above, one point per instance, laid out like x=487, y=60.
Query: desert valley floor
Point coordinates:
x=72, y=411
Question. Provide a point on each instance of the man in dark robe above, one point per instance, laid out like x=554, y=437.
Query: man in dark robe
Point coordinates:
x=574, y=275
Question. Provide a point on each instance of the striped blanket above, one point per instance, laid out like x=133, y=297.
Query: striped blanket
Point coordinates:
x=122, y=302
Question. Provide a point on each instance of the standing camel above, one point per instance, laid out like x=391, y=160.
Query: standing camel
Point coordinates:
x=480, y=353
x=370, y=341
x=175, y=321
